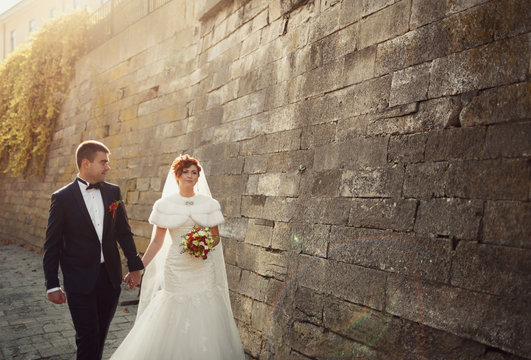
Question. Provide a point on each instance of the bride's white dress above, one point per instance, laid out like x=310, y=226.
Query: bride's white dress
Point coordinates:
x=188, y=318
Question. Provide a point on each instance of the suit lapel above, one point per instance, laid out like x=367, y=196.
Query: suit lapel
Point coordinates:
x=107, y=200
x=82, y=206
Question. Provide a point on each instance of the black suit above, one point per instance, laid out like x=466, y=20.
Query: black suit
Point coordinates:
x=92, y=288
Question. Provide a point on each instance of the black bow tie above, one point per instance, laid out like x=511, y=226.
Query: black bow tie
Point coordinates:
x=90, y=186
x=94, y=186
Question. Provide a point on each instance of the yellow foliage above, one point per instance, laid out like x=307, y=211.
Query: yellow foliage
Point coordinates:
x=34, y=81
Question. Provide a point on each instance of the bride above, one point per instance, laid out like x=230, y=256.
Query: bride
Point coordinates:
x=184, y=311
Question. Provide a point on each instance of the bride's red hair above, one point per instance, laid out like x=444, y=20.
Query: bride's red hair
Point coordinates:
x=182, y=162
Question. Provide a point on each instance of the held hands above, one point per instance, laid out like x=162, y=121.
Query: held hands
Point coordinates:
x=133, y=278
x=57, y=297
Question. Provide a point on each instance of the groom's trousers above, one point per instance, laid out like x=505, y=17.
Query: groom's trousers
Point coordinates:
x=92, y=314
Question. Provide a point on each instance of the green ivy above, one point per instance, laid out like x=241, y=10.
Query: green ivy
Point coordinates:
x=34, y=80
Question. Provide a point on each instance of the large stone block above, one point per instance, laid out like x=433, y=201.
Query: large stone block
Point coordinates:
x=310, y=305
x=460, y=143
x=462, y=312
x=261, y=316
x=407, y=148
x=401, y=253
x=489, y=179
x=507, y=223
x=383, y=214
x=453, y=34
x=323, y=210
x=428, y=115
x=353, y=11
x=514, y=17
x=272, y=143
x=425, y=180
x=318, y=135
x=253, y=285
x=395, y=337
x=385, y=24
x=499, y=63
x=502, y=104
x=356, y=284
x=321, y=80
x=326, y=23
x=310, y=239
x=278, y=184
x=359, y=66
x=380, y=182
x=244, y=106
x=367, y=97
x=325, y=183
x=360, y=152
x=426, y=11
x=476, y=265
x=449, y=217
x=508, y=140
x=410, y=85
x=259, y=234
x=241, y=307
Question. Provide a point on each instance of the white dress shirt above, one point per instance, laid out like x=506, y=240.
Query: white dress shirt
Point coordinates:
x=94, y=204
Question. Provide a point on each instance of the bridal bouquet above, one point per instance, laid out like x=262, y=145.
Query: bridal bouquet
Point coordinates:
x=198, y=242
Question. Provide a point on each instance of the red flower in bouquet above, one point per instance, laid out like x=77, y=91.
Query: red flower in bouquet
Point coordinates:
x=198, y=242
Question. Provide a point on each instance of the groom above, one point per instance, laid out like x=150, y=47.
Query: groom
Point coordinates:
x=87, y=218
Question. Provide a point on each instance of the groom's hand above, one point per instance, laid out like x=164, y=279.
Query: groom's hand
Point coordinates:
x=133, y=278
x=57, y=297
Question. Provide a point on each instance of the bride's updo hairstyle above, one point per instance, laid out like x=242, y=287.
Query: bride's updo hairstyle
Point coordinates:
x=182, y=162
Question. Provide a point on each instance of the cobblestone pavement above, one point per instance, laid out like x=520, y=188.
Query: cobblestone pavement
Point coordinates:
x=31, y=327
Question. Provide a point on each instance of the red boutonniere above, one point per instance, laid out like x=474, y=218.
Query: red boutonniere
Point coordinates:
x=114, y=206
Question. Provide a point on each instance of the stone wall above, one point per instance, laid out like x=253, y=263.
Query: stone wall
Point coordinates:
x=372, y=159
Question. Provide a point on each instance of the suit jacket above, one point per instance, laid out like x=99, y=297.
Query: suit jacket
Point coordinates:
x=72, y=241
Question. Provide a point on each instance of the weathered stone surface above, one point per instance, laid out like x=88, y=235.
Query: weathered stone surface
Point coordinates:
x=514, y=17
x=349, y=282
x=325, y=183
x=499, y=63
x=407, y=148
x=315, y=342
x=353, y=11
x=317, y=135
x=463, y=312
x=507, y=223
x=383, y=214
x=395, y=337
x=309, y=304
x=393, y=252
x=426, y=11
x=460, y=143
x=310, y=239
x=503, y=104
x=430, y=115
x=360, y=152
x=425, y=180
x=359, y=65
x=261, y=262
x=410, y=85
x=258, y=234
x=476, y=265
x=489, y=179
x=278, y=184
x=508, y=140
x=449, y=217
x=380, y=182
x=323, y=210
x=385, y=24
